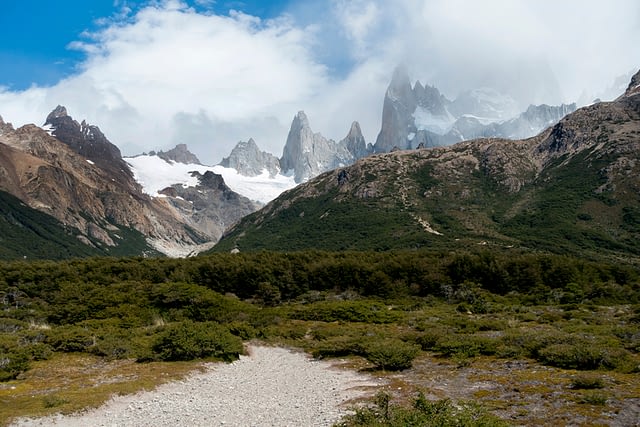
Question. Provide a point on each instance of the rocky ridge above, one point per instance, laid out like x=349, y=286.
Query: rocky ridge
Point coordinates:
x=72, y=172
x=211, y=206
x=417, y=116
x=249, y=160
x=180, y=153
x=307, y=154
x=420, y=116
x=582, y=172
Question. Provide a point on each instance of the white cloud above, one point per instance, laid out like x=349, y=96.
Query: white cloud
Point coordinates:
x=358, y=18
x=167, y=74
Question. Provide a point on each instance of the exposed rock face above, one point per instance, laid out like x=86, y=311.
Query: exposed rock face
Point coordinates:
x=308, y=154
x=355, y=143
x=179, y=154
x=486, y=104
x=422, y=117
x=211, y=206
x=534, y=120
x=88, y=141
x=572, y=189
x=248, y=160
x=634, y=86
x=399, y=105
x=80, y=179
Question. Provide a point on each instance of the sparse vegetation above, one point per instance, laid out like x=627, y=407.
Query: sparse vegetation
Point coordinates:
x=421, y=413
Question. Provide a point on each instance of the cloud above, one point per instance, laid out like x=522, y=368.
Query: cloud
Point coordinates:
x=169, y=73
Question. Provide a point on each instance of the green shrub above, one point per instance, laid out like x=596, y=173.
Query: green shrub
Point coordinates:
x=429, y=339
x=242, y=330
x=38, y=351
x=188, y=340
x=585, y=356
x=53, y=401
x=12, y=364
x=467, y=345
x=593, y=398
x=113, y=347
x=70, y=339
x=391, y=354
x=340, y=346
x=439, y=413
x=584, y=382
x=8, y=325
x=348, y=311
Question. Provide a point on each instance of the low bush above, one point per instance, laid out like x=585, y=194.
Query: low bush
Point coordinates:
x=113, y=347
x=347, y=311
x=467, y=346
x=340, y=346
x=391, y=354
x=422, y=413
x=584, y=382
x=593, y=398
x=70, y=339
x=188, y=340
x=586, y=356
x=12, y=364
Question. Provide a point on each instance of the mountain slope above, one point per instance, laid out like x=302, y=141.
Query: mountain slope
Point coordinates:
x=573, y=188
x=80, y=179
x=28, y=233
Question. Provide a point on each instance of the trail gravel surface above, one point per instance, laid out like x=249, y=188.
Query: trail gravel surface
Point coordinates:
x=269, y=387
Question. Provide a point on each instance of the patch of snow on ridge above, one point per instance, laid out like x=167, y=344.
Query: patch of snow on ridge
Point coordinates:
x=426, y=120
x=48, y=129
x=261, y=188
x=156, y=174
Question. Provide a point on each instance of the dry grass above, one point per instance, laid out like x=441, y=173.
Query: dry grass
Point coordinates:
x=522, y=392
x=71, y=382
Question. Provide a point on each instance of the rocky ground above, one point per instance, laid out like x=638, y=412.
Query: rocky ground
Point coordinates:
x=269, y=387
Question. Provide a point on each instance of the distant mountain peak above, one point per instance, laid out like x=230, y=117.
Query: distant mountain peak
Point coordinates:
x=354, y=131
x=400, y=78
x=634, y=85
x=307, y=154
x=355, y=143
x=300, y=120
x=88, y=141
x=59, y=111
x=180, y=154
x=248, y=160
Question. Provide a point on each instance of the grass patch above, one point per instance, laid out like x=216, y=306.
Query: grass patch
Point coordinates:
x=70, y=382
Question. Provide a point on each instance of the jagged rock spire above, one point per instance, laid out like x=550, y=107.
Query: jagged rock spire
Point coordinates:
x=58, y=112
x=248, y=160
x=355, y=142
x=180, y=154
x=307, y=154
x=634, y=85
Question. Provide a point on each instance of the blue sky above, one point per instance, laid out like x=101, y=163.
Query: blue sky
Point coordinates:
x=34, y=47
x=152, y=74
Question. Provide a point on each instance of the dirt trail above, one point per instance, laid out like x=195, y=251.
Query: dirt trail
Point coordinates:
x=270, y=387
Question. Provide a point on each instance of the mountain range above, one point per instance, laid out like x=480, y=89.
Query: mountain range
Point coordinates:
x=72, y=173
x=574, y=188
x=67, y=177
x=413, y=116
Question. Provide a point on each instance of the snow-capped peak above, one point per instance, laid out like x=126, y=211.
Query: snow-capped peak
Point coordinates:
x=156, y=174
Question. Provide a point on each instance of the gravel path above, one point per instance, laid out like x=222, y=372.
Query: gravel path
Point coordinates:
x=270, y=387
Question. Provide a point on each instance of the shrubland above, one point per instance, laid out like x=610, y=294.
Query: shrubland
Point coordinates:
x=388, y=309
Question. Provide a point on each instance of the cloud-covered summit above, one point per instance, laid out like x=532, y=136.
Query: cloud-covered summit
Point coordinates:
x=170, y=72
